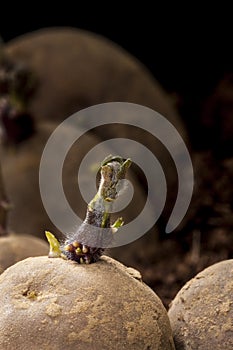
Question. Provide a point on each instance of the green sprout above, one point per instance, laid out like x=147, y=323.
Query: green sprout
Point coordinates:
x=113, y=170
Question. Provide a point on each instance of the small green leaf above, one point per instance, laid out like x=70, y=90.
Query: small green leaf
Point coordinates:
x=54, y=251
x=117, y=224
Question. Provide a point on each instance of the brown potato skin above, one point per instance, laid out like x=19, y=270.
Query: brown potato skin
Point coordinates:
x=201, y=314
x=57, y=304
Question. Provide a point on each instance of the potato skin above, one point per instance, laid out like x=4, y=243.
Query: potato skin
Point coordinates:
x=201, y=314
x=14, y=248
x=57, y=304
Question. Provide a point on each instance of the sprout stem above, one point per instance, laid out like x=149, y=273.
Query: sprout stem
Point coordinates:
x=86, y=244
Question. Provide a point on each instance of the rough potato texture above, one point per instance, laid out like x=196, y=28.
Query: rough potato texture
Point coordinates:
x=14, y=248
x=201, y=314
x=57, y=304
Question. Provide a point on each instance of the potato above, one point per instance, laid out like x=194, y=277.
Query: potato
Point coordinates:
x=78, y=69
x=201, y=314
x=57, y=304
x=16, y=247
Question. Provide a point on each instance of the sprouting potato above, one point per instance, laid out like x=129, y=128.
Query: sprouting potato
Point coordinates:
x=77, y=298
